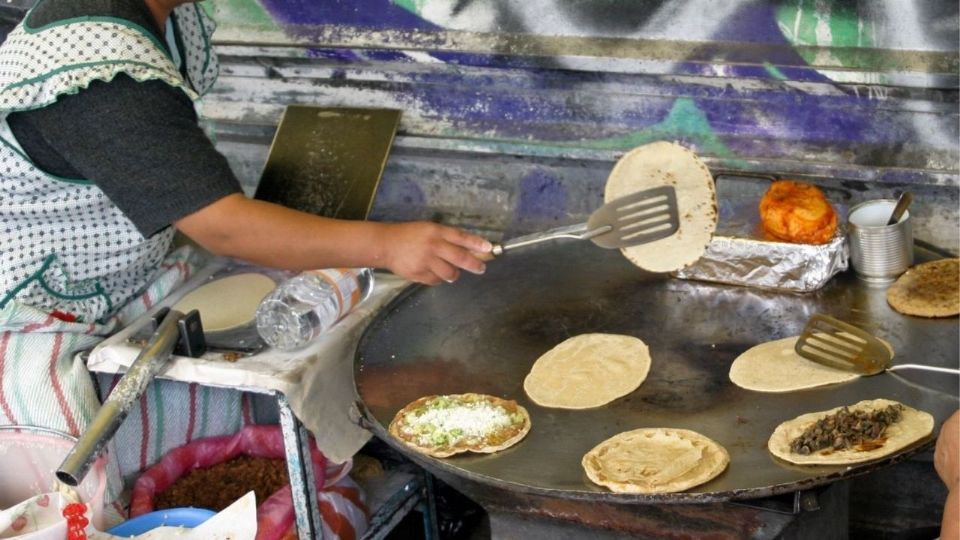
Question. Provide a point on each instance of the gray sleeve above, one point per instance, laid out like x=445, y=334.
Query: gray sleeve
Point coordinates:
x=141, y=144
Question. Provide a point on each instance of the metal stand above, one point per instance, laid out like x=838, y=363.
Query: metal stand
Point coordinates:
x=413, y=494
x=296, y=445
x=428, y=508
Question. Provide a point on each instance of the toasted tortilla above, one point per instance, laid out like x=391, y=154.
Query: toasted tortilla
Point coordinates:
x=928, y=290
x=588, y=371
x=655, y=460
x=912, y=427
x=664, y=163
x=229, y=302
x=486, y=441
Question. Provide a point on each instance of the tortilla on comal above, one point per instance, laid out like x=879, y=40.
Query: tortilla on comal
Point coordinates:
x=930, y=289
x=913, y=426
x=655, y=460
x=776, y=367
x=588, y=371
x=668, y=164
x=444, y=425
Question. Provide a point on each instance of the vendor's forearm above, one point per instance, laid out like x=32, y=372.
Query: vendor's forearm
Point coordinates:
x=271, y=235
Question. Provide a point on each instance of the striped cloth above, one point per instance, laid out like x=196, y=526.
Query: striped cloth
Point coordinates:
x=44, y=383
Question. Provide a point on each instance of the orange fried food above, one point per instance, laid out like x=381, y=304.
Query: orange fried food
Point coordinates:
x=797, y=212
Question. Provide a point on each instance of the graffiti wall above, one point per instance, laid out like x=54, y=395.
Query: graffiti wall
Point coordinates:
x=515, y=110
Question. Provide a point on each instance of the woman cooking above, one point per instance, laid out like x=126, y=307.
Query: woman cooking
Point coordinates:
x=102, y=159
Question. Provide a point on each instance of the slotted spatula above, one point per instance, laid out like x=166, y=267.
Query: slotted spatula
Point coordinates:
x=638, y=218
x=840, y=345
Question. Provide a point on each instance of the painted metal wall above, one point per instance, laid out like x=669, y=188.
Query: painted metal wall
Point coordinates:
x=515, y=110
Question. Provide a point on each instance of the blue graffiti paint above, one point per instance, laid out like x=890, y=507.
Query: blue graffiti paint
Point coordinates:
x=400, y=192
x=541, y=203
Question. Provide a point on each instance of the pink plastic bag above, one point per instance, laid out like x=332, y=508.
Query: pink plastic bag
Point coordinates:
x=341, y=506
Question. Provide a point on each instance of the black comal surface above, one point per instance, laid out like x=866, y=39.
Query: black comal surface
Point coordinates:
x=483, y=333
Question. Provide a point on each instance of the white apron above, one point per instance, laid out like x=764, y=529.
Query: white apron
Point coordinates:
x=73, y=268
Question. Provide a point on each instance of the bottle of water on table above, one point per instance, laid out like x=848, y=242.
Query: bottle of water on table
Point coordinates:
x=304, y=306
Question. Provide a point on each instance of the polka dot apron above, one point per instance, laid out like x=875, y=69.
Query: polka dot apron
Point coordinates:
x=73, y=268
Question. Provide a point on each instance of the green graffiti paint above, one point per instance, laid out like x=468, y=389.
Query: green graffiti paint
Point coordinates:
x=833, y=25
x=684, y=121
x=413, y=6
x=774, y=71
x=240, y=13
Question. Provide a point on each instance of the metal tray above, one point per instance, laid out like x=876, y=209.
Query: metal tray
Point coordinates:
x=740, y=255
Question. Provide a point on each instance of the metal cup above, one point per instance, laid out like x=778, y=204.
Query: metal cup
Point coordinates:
x=879, y=253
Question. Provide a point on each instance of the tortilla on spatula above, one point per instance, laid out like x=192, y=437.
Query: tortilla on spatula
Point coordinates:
x=664, y=163
x=928, y=290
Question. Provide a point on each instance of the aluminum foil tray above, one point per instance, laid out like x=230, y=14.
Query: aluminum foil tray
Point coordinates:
x=739, y=254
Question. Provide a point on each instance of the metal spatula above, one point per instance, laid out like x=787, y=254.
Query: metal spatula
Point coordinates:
x=634, y=219
x=840, y=345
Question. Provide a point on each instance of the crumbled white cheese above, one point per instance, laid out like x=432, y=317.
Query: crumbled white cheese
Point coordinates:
x=446, y=426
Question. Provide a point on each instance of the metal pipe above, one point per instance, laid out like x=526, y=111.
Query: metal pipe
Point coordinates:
x=113, y=411
x=306, y=506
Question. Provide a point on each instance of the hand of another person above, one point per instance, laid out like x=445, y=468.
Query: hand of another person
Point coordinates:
x=946, y=460
x=430, y=253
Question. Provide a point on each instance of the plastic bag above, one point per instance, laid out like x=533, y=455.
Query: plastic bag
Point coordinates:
x=341, y=504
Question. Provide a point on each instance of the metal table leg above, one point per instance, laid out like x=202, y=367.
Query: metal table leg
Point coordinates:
x=429, y=509
x=300, y=469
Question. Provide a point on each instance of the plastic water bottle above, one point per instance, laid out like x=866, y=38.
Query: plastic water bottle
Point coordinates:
x=304, y=306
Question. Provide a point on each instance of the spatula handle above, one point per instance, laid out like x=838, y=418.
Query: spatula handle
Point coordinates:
x=579, y=231
x=924, y=368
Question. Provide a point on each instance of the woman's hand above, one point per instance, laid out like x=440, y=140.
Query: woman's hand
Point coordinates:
x=430, y=253
x=946, y=456
x=946, y=460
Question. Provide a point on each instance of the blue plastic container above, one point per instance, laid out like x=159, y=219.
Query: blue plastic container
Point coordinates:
x=172, y=517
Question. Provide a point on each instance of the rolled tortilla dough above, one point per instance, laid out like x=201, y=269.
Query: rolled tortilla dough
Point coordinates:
x=229, y=302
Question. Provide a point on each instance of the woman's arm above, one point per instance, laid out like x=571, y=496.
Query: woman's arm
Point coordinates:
x=272, y=235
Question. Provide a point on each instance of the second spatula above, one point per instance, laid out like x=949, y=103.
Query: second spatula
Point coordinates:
x=834, y=343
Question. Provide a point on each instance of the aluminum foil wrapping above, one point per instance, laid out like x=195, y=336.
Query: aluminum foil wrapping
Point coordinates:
x=739, y=255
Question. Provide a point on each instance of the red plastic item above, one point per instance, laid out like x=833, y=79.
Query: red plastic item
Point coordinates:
x=76, y=521
x=275, y=515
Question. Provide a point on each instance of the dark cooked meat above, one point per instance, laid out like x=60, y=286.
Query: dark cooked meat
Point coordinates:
x=846, y=429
